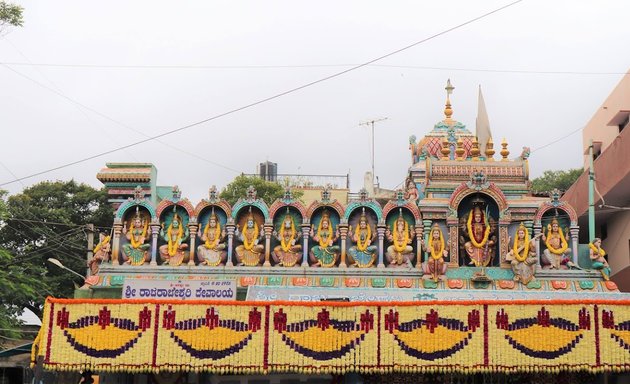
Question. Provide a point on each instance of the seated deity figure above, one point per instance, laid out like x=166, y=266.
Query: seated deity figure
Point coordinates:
x=363, y=253
x=212, y=251
x=289, y=252
x=434, y=267
x=400, y=253
x=174, y=252
x=325, y=253
x=598, y=258
x=136, y=252
x=478, y=237
x=250, y=253
x=522, y=256
x=558, y=254
x=101, y=254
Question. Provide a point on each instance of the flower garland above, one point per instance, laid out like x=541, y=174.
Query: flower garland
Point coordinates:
x=363, y=244
x=324, y=241
x=286, y=246
x=551, y=248
x=246, y=243
x=399, y=246
x=217, y=235
x=517, y=255
x=101, y=244
x=436, y=255
x=595, y=249
x=472, y=235
x=174, y=245
x=137, y=243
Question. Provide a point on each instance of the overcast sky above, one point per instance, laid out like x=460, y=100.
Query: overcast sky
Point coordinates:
x=315, y=130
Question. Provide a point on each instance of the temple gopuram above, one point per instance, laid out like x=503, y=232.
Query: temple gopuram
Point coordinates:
x=463, y=276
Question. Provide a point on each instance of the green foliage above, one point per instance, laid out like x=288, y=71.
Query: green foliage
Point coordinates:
x=561, y=180
x=265, y=190
x=10, y=15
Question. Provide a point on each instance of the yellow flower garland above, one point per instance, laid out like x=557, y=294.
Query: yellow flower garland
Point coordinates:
x=323, y=242
x=550, y=247
x=101, y=244
x=599, y=250
x=362, y=245
x=399, y=246
x=249, y=246
x=136, y=244
x=440, y=253
x=517, y=255
x=173, y=245
x=472, y=236
x=217, y=235
x=287, y=246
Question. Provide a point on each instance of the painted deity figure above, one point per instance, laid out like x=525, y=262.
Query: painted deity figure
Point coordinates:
x=136, y=252
x=400, y=253
x=481, y=239
x=212, y=251
x=101, y=254
x=522, y=256
x=325, y=253
x=435, y=267
x=411, y=191
x=250, y=253
x=598, y=258
x=174, y=251
x=289, y=252
x=558, y=254
x=363, y=253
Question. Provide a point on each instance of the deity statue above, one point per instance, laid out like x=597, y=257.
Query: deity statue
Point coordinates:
x=212, y=251
x=522, y=256
x=136, y=252
x=400, y=253
x=101, y=254
x=435, y=267
x=250, y=253
x=324, y=254
x=363, y=253
x=558, y=254
x=287, y=253
x=174, y=251
x=598, y=258
x=479, y=230
x=411, y=191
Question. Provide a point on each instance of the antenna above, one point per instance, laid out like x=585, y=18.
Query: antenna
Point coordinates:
x=370, y=123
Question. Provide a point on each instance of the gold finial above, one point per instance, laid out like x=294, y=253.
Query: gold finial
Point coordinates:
x=448, y=111
x=459, y=151
x=446, y=149
x=490, y=150
x=474, y=151
x=504, y=151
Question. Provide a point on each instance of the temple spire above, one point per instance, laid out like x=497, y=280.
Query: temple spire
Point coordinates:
x=483, y=132
x=448, y=111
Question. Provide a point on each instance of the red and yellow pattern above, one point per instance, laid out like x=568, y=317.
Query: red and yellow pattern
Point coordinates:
x=248, y=337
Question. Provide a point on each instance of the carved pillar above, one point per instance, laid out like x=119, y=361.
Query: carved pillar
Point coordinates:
x=306, y=229
x=343, y=231
x=229, y=228
x=155, y=231
x=192, y=229
x=423, y=256
x=380, y=230
x=116, y=241
x=453, y=241
x=503, y=244
x=419, y=229
x=538, y=231
x=268, y=227
x=574, y=243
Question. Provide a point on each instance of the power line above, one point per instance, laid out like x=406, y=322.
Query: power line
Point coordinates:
x=264, y=100
x=557, y=140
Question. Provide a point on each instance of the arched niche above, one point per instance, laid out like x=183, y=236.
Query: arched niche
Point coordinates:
x=490, y=209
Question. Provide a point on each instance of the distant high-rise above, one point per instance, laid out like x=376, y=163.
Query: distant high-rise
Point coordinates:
x=268, y=171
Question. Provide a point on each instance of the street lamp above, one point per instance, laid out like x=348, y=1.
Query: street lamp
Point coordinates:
x=58, y=263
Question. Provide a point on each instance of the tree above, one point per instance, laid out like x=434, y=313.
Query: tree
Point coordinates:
x=10, y=15
x=561, y=180
x=48, y=220
x=265, y=190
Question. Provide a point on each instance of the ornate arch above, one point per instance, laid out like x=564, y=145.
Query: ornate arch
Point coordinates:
x=334, y=205
x=203, y=204
x=279, y=204
x=122, y=209
x=465, y=189
x=254, y=203
x=402, y=203
x=181, y=203
x=373, y=205
x=561, y=205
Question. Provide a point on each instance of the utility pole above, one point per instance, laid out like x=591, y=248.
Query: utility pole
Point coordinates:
x=371, y=123
x=591, y=194
x=90, y=245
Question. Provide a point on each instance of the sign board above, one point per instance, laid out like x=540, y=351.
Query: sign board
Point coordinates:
x=179, y=289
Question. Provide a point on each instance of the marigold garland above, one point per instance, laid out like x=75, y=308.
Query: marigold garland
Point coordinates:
x=595, y=249
x=101, y=244
x=436, y=255
x=137, y=243
x=173, y=245
x=518, y=256
x=362, y=245
x=401, y=245
x=286, y=246
x=471, y=235
x=551, y=248
x=324, y=241
x=217, y=235
x=250, y=245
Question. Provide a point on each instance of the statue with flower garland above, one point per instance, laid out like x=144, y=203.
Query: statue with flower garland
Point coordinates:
x=101, y=254
x=557, y=255
x=137, y=231
x=363, y=254
x=598, y=258
x=289, y=252
x=212, y=251
x=477, y=231
x=522, y=256
x=400, y=252
x=174, y=232
x=325, y=253
x=434, y=267
x=250, y=232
